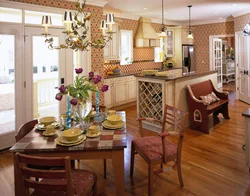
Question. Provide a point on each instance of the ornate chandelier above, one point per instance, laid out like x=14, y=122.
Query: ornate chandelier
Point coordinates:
x=77, y=29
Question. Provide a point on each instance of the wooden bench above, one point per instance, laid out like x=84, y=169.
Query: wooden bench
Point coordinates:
x=199, y=110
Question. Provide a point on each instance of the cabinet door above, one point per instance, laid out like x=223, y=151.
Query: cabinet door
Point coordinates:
x=120, y=90
x=108, y=96
x=131, y=86
x=112, y=49
x=170, y=43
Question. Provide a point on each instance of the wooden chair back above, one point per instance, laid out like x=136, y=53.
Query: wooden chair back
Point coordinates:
x=25, y=129
x=24, y=161
x=174, y=120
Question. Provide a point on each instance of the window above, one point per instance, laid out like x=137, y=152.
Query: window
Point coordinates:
x=33, y=17
x=126, y=47
x=10, y=15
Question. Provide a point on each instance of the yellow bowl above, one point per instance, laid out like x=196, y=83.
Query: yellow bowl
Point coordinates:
x=114, y=119
x=93, y=129
x=72, y=134
x=47, y=120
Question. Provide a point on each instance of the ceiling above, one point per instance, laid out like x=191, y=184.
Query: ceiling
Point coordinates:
x=176, y=11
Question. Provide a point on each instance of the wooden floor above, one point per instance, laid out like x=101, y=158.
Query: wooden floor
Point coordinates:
x=212, y=164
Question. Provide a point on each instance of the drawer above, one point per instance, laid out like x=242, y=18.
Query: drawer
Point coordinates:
x=130, y=78
x=120, y=80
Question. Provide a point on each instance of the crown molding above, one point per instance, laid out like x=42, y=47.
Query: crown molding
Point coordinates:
x=241, y=13
x=99, y=3
x=195, y=23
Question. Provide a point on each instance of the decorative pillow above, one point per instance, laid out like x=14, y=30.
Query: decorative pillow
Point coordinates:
x=210, y=98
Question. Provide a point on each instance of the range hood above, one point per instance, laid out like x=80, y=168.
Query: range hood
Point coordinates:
x=146, y=35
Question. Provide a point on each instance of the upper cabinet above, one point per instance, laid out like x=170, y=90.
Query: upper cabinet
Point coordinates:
x=169, y=43
x=112, y=49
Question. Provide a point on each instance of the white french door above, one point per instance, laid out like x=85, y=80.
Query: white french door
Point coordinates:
x=45, y=70
x=217, y=59
x=243, y=69
x=11, y=85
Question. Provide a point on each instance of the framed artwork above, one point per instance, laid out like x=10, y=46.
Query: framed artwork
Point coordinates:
x=152, y=42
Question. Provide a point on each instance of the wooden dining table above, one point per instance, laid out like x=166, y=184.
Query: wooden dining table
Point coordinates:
x=110, y=145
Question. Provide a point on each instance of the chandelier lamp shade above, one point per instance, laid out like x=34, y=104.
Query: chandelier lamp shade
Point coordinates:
x=46, y=22
x=163, y=33
x=76, y=30
x=190, y=36
x=246, y=30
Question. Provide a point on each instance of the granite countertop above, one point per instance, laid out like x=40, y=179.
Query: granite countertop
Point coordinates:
x=246, y=113
x=168, y=79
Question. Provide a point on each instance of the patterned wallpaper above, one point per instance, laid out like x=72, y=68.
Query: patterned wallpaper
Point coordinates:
x=97, y=14
x=241, y=21
x=201, y=42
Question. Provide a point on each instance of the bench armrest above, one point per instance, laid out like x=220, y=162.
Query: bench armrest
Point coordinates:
x=220, y=94
x=193, y=97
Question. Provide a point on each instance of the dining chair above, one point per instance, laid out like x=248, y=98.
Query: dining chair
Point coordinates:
x=158, y=150
x=66, y=181
x=25, y=129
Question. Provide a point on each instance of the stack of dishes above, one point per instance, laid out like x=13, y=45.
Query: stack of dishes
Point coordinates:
x=71, y=137
x=93, y=131
x=46, y=121
x=50, y=131
x=113, y=122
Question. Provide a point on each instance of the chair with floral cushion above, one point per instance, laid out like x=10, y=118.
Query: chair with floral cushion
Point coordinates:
x=66, y=181
x=158, y=150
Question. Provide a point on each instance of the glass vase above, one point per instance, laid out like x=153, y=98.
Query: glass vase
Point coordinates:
x=82, y=110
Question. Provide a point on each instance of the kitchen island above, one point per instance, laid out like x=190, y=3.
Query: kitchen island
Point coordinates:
x=153, y=92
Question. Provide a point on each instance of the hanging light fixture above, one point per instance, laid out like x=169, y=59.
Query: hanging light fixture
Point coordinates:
x=190, y=36
x=163, y=33
x=246, y=30
x=76, y=30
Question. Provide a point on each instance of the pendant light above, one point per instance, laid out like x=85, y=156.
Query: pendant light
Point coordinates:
x=190, y=36
x=163, y=33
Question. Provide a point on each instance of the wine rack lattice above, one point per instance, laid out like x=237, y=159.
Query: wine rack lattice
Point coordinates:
x=150, y=100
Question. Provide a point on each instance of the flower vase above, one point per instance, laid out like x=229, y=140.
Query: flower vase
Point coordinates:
x=82, y=110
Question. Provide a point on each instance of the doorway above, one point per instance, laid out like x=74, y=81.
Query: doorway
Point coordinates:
x=11, y=85
x=222, y=58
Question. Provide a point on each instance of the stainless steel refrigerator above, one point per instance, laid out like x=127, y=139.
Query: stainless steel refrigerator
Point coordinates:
x=188, y=57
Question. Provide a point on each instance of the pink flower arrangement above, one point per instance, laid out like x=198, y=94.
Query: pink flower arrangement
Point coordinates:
x=79, y=90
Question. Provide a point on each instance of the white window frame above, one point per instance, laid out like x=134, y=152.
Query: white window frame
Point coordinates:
x=130, y=46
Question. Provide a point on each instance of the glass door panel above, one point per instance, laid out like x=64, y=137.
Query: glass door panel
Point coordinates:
x=11, y=85
x=7, y=82
x=45, y=78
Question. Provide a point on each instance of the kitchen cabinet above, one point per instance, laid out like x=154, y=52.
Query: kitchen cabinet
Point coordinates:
x=131, y=88
x=112, y=49
x=170, y=43
x=122, y=90
x=108, y=95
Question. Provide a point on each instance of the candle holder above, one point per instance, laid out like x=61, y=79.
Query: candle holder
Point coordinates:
x=68, y=123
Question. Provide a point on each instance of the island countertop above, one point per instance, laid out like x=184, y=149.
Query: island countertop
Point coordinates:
x=166, y=78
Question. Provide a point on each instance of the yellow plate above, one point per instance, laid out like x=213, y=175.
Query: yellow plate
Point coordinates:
x=62, y=144
x=94, y=135
x=50, y=132
x=40, y=126
x=106, y=124
x=65, y=141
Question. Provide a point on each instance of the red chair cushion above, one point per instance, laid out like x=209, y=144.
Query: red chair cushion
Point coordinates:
x=82, y=180
x=151, y=147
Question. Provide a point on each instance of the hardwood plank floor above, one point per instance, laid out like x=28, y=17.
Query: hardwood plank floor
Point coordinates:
x=212, y=164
